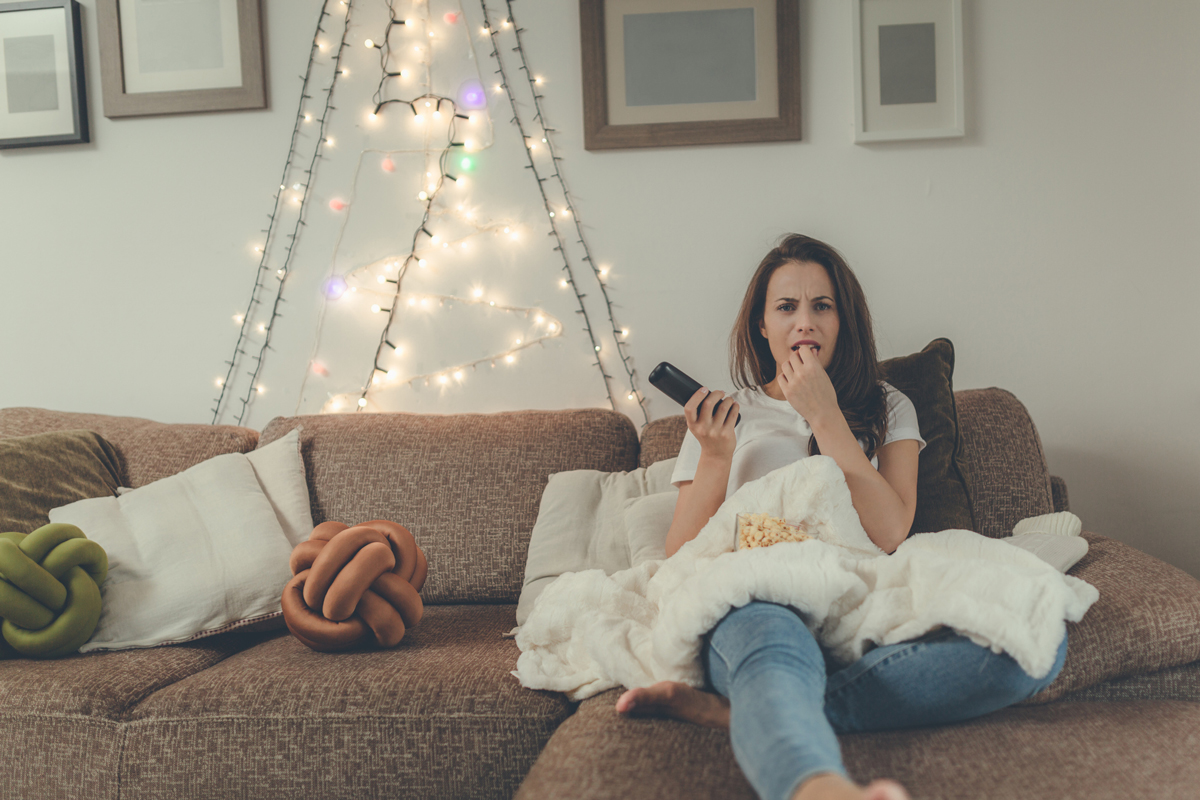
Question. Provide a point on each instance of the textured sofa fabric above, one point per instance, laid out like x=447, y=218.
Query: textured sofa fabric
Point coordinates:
x=466, y=485
x=1063, y=750
x=47, y=470
x=147, y=450
x=437, y=716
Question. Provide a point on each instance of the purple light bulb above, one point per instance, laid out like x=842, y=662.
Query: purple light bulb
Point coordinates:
x=471, y=95
x=335, y=287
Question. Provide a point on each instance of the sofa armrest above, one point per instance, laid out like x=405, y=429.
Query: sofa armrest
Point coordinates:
x=1058, y=488
x=1147, y=618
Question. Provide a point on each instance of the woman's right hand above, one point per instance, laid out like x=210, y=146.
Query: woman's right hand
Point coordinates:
x=714, y=432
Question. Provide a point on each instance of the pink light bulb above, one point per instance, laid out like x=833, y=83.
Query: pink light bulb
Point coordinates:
x=451, y=18
x=388, y=165
x=336, y=205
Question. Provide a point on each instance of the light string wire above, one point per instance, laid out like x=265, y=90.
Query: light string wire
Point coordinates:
x=282, y=272
x=516, y=119
x=540, y=118
x=429, y=197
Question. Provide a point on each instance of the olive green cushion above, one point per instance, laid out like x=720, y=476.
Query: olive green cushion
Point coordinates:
x=48, y=470
x=943, y=494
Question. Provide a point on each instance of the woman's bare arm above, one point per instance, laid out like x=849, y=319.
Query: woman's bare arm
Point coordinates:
x=700, y=497
x=885, y=499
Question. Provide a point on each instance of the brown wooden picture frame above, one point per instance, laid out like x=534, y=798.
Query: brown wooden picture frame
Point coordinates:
x=599, y=134
x=119, y=103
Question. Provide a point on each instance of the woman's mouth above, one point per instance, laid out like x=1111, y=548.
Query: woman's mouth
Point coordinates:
x=806, y=343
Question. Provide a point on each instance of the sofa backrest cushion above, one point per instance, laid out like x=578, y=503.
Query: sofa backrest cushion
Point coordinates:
x=47, y=470
x=1003, y=460
x=943, y=492
x=468, y=486
x=147, y=450
x=1000, y=456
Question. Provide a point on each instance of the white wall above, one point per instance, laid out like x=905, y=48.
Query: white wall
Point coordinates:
x=1055, y=244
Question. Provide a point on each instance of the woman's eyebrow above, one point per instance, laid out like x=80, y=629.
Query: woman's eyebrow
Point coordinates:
x=794, y=300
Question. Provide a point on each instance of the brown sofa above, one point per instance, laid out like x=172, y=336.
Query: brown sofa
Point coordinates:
x=259, y=715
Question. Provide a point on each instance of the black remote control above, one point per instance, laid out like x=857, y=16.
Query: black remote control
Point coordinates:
x=677, y=384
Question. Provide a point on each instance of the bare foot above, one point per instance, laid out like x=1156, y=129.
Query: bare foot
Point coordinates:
x=829, y=786
x=678, y=701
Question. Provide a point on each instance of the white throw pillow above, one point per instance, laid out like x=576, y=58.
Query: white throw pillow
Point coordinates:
x=597, y=520
x=197, y=553
x=1054, y=538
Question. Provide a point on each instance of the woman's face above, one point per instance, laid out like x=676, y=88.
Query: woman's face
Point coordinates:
x=800, y=311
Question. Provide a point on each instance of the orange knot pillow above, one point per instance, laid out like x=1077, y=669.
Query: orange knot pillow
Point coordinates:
x=352, y=583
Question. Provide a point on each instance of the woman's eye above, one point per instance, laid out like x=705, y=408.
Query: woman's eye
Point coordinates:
x=785, y=307
x=823, y=306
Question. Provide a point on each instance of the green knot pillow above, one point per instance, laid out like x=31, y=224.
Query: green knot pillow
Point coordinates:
x=49, y=590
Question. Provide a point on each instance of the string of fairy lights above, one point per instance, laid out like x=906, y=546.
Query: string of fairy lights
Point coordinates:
x=383, y=279
x=547, y=138
x=299, y=198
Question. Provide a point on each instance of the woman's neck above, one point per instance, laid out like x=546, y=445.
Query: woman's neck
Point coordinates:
x=772, y=389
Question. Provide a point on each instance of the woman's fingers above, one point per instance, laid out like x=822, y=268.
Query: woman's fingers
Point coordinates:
x=693, y=404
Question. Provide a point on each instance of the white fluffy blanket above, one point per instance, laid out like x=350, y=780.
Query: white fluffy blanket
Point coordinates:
x=590, y=632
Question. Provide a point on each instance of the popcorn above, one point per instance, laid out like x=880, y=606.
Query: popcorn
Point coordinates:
x=763, y=530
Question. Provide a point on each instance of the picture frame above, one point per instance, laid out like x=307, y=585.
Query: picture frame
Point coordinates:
x=178, y=58
x=908, y=70
x=43, y=93
x=665, y=73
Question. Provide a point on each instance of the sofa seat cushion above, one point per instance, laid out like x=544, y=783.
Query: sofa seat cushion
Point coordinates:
x=1098, y=750
x=1147, y=618
x=439, y=715
x=101, y=685
x=467, y=485
x=147, y=450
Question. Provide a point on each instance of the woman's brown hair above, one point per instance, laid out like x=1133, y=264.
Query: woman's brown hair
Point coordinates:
x=854, y=370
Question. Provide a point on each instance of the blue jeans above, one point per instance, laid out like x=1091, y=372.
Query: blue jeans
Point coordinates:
x=788, y=701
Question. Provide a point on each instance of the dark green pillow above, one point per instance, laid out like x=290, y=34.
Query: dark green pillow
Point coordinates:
x=48, y=470
x=927, y=378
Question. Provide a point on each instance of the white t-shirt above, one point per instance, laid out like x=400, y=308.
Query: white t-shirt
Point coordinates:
x=772, y=434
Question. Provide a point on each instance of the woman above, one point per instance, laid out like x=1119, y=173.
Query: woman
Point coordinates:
x=803, y=353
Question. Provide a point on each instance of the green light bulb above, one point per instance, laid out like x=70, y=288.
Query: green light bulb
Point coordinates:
x=468, y=164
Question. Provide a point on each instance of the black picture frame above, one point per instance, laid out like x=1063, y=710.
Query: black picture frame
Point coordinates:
x=75, y=79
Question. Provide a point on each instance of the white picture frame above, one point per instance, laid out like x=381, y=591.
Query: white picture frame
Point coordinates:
x=43, y=93
x=908, y=77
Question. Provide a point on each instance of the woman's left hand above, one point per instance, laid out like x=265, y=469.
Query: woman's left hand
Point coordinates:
x=807, y=387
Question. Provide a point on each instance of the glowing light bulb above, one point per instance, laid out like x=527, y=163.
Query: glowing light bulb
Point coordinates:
x=432, y=187
x=450, y=17
x=597, y=348
x=262, y=327
x=375, y=379
x=491, y=302
x=408, y=22
x=460, y=181
x=308, y=117
x=387, y=165
x=437, y=115
x=424, y=301
x=540, y=319
x=238, y=318
x=624, y=331
x=335, y=405
x=515, y=235
x=423, y=196
x=422, y=263
x=508, y=359
x=563, y=283
x=553, y=327
x=220, y=381
x=458, y=374
x=506, y=230
x=345, y=72
x=631, y=395
x=603, y=272
x=544, y=140
x=375, y=309
x=403, y=73
x=518, y=341
x=498, y=87
x=538, y=81
x=399, y=349
x=551, y=215
x=419, y=118
x=337, y=205
x=566, y=212
x=362, y=402
x=260, y=389
x=428, y=104
x=412, y=301
x=469, y=146
x=477, y=292
x=296, y=186
x=329, y=141
x=391, y=373
x=471, y=118
x=381, y=279
x=434, y=239
x=442, y=379
x=369, y=43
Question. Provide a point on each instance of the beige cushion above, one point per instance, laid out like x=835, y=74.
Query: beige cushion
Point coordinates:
x=597, y=520
x=196, y=553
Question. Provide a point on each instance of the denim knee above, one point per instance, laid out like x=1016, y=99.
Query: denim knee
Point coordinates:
x=756, y=629
x=1059, y=661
